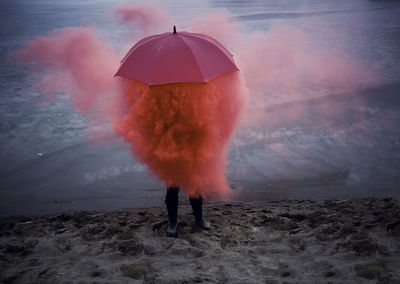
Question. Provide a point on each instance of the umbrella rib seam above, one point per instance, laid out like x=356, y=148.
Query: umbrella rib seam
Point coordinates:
x=194, y=56
x=218, y=50
x=154, y=65
x=214, y=41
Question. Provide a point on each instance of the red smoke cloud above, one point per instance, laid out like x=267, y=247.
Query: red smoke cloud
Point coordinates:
x=148, y=18
x=73, y=60
x=183, y=131
x=282, y=63
x=77, y=62
x=219, y=25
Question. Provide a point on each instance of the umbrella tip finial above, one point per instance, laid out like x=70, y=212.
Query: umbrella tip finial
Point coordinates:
x=174, y=30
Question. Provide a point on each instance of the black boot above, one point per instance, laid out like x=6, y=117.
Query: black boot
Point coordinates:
x=197, y=206
x=172, y=200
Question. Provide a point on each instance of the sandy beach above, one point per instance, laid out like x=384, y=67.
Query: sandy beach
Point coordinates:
x=291, y=241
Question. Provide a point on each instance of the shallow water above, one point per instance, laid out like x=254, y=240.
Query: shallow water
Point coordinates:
x=47, y=165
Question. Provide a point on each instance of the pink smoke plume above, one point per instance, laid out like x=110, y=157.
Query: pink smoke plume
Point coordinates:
x=282, y=64
x=218, y=24
x=77, y=62
x=148, y=18
x=183, y=131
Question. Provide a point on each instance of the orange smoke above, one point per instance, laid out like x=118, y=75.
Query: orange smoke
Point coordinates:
x=183, y=131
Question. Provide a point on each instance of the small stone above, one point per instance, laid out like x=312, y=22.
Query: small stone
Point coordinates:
x=95, y=273
x=61, y=231
x=285, y=274
x=329, y=273
x=295, y=231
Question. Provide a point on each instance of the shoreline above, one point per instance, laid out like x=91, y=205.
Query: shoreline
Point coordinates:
x=329, y=240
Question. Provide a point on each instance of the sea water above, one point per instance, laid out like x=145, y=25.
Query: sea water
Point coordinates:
x=47, y=165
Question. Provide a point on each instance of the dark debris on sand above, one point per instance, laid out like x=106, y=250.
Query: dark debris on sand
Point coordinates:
x=296, y=241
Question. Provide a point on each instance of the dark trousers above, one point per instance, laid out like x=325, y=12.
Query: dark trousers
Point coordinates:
x=172, y=201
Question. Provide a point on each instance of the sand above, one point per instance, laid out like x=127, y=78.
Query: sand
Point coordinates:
x=291, y=241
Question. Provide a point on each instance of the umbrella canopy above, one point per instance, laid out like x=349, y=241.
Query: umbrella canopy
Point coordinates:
x=176, y=57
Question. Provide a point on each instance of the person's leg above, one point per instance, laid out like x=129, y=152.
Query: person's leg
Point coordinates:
x=197, y=206
x=172, y=201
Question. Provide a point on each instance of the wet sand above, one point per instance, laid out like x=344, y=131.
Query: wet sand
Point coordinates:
x=295, y=241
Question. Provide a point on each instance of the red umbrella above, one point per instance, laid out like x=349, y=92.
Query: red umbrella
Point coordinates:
x=183, y=137
x=176, y=57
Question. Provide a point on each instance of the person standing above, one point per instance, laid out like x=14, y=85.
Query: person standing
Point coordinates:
x=172, y=202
